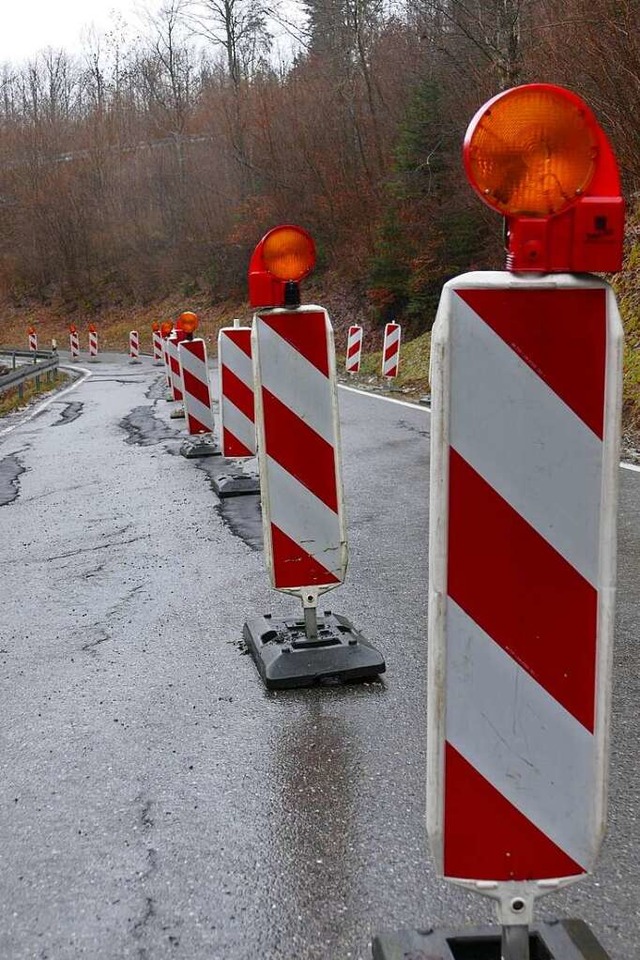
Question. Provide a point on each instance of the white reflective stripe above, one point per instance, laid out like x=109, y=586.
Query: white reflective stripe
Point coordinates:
x=231, y=356
x=305, y=519
x=304, y=390
x=519, y=738
x=235, y=422
x=194, y=365
x=525, y=441
x=176, y=378
x=390, y=337
x=196, y=409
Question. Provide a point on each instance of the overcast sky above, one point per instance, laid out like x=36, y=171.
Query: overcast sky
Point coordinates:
x=31, y=25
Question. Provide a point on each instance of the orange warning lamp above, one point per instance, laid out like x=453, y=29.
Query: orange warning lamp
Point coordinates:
x=537, y=155
x=73, y=328
x=31, y=329
x=155, y=326
x=93, y=328
x=165, y=329
x=188, y=322
x=284, y=256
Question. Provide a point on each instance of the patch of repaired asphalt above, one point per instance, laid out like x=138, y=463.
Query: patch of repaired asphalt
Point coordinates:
x=242, y=515
x=145, y=429
x=10, y=471
x=157, y=390
x=70, y=413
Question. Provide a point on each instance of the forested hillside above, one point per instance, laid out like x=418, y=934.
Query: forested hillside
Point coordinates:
x=149, y=166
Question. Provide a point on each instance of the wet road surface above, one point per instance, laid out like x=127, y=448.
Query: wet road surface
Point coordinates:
x=159, y=802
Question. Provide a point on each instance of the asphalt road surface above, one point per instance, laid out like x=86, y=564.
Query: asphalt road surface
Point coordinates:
x=157, y=801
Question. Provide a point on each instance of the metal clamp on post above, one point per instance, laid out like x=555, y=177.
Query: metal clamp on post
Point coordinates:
x=297, y=428
x=526, y=380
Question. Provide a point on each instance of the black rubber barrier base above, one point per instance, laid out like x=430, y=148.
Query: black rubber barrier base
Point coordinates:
x=285, y=657
x=235, y=485
x=199, y=447
x=552, y=940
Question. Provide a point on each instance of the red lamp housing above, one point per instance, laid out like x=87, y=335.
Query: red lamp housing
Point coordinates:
x=537, y=154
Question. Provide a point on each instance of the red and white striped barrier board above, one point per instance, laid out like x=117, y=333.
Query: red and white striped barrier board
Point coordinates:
x=237, y=414
x=175, y=383
x=391, y=350
x=33, y=341
x=74, y=344
x=93, y=343
x=354, y=349
x=299, y=449
x=134, y=345
x=157, y=346
x=192, y=355
x=526, y=375
x=167, y=362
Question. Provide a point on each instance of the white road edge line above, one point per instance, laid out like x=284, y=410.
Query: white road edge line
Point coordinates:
x=56, y=396
x=417, y=406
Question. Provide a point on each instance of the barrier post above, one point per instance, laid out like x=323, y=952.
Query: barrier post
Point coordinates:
x=93, y=343
x=526, y=379
x=198, y=405
x=237, y=411
x=391, y=351
x=354, y=350
x=33, y=338
x=157, y=344
x=296, y=415
x=74, y=342
x=134, y=347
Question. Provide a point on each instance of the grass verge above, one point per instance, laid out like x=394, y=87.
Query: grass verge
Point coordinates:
x=12, y=401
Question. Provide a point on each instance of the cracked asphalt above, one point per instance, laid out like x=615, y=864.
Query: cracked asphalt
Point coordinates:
x=157, y=801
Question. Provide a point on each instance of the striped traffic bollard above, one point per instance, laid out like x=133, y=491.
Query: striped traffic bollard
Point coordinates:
x=165, y=332
x=134, y=347
x=74, y=343
x=391, y=350
x=33, y=339
x=177, y=392
x=526, y=372
x=237, y=415
x=354, y=349
x=157, y=345
x=93, y=343
x=198, y=406
x=301, y=492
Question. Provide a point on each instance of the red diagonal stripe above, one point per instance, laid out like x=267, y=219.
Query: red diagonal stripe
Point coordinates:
x=521, y=591
x=195, y=426
x=389, y=351
x=241, y=338
x=305, y=332
x=293, y=566
x=237, y=392
x=561, y=334
x=299, y=450
x=195, y=387
x=232, y=447
x=487, y=838
x=353, y=349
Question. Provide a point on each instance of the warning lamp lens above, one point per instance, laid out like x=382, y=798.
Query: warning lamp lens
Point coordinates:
x=187, y=321
x=531, y=151
x=155, y=326
x=288, y=253
x=166, y=328
x=92, y=328
x=72, y=328
x=31, y=329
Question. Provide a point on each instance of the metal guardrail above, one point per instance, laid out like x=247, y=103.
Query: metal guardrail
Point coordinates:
x=45, y=363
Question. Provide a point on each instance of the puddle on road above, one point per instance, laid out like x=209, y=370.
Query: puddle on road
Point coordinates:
x=10, y=471
x=70, y=413
x=144, y=429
